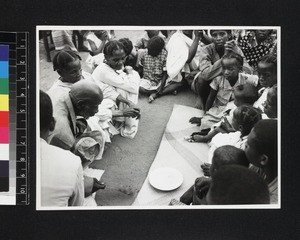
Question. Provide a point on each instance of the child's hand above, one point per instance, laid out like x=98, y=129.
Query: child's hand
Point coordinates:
x=229, y=46
x=189, y=139
x=104, y=36
x=195, y=120
x=132, y=112
x=201, y=186
x=200, y=138
x=198, y=33
x=226, y=126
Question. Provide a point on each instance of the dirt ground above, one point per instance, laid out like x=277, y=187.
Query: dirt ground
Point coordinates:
x=127, y=161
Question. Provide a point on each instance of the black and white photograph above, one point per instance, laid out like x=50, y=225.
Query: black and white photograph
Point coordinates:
x=158, y=117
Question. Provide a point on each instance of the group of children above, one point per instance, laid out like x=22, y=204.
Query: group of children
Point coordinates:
x=240, y=108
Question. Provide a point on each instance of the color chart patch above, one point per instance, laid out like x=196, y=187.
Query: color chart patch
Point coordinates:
x=14, y=163
x=4, y=118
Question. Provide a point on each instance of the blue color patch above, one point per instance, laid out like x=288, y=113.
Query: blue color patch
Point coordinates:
x=3, y=69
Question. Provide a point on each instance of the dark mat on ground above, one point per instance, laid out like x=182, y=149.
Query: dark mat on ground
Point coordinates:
x=127, y=161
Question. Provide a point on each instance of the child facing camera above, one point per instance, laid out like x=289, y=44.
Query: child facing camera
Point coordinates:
x=221, y=91
x=154, y=81
x=267, y=77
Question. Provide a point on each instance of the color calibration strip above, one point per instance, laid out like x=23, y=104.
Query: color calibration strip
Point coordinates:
x=13, y=98
x=4, y=119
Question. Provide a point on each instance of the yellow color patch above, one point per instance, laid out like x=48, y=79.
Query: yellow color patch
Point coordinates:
x=3, y=102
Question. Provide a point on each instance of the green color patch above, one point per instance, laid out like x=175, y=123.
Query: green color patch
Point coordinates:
x=3, y=86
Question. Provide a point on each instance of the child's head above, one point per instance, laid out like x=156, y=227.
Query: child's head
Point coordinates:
x=244, y=118
x=245, y=94
x=114, y=54
x=232, y=64
x=267, y=70
x=68, y=66
x=127, y=45
x=47, y=121
x=227, y=155
x=220, y=37
x=270, y=105
x=152, y=33
x=155, y=46
x=261, y=146
x=235, y=184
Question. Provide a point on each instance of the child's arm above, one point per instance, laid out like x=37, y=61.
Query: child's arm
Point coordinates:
x=226, y=126
x=94, y=48
x=210, y=100
x=163, y=83
x=194, y=46
x=206, y=39
x=209, y=136
x=130, y=104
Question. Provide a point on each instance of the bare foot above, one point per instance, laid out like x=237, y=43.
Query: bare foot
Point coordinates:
x=205, y=168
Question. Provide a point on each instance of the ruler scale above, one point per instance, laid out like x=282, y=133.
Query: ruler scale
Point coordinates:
x=18, y=115
x=22, y=175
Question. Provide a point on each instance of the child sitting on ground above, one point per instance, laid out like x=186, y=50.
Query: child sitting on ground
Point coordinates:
x=221, y=91
x=126, y=83
x=244, y=95
x=68, y=66
x=267, y=77
x=222, y=88
x=142, y=43
x=237, y=185
x=262, y=151
x=130, y=59
x=244, y=118
x=270, y=105
x=225, y=155
x=154, y=68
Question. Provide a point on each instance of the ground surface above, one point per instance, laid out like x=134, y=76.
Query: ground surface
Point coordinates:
x=126, y=162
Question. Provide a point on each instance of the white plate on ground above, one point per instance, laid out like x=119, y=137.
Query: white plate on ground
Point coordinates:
x=165, y=179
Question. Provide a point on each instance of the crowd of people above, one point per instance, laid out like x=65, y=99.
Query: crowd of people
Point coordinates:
x=233, y=74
